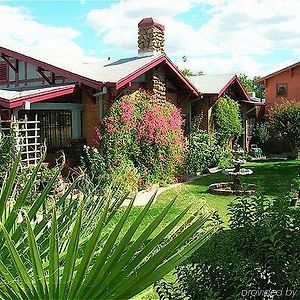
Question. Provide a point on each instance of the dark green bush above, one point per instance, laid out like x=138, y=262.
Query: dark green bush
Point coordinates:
x=94, y=165
x=285, y=120
x=260, y=252
x=6, y=152
x=261, y=133
x=227, y=117
x=204, y=150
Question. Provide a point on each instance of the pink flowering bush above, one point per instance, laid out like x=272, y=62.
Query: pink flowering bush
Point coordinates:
x=141, y=132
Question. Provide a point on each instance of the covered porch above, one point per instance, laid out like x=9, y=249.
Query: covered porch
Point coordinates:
x=59, y=110
x=250, y=111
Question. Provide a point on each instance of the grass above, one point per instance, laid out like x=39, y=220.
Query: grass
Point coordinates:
x=272, y=178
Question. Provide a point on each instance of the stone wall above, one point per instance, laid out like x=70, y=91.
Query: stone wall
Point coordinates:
x=156, y=82
x=151, y=40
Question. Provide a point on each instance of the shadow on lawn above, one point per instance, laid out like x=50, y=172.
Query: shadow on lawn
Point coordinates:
x=272, y=179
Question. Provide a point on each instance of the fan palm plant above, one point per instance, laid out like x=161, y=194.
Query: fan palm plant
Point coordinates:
x=56, y=258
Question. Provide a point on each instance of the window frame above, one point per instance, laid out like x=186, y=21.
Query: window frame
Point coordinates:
x=286, y=89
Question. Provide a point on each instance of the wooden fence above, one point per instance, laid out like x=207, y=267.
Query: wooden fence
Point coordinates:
x=26, y=136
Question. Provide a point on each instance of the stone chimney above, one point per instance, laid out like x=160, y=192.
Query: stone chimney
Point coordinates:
x=151, y=40
x=151, y=37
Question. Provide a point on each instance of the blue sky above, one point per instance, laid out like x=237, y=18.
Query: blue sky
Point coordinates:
x=217, y=36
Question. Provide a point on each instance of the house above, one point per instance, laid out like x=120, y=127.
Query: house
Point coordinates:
x=69, y=97
x=281, y=85
x=213, y=87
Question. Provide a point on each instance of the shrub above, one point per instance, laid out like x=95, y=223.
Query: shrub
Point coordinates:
x=7, y=151
x=227, y=119
x=204, y=150
x=139, y=129
x=285, y=120
x=259, y=253
x=94, y=165
x=261, y=133
x=39, y=261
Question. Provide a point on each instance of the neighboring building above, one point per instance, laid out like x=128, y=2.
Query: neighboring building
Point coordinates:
x=212, y=87
x=281, y=85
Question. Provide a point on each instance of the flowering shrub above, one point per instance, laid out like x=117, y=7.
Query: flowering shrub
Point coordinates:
x=140, y=130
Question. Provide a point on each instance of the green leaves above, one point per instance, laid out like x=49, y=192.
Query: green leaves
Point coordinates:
x=227, y=117
x=52, y=259
x=284, y=120
x=7, y=187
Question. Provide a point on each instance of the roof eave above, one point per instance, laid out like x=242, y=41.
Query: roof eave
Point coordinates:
x=263, y=79
x=59, y=71
x=125, y=80
x=185, y=80
x=229, y=83
x=17, y=102
x=160, y=59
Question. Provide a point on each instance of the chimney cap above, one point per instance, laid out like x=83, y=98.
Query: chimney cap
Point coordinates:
x=150, y=22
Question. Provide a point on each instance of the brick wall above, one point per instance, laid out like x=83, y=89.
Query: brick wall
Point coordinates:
x=90, y=119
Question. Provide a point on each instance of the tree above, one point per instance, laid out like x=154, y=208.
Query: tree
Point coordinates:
x=285, y=120
x=188, y=72
x=228, y=120
x=251, y=85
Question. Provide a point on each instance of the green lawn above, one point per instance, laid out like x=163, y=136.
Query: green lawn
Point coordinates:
x=273, y=178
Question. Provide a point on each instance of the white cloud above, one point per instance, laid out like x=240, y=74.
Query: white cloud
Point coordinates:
x=235, y=33
x=237, y=29
x=21, y=32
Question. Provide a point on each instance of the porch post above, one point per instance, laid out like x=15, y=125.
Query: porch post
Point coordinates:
x=76, y=123
x=245, y=132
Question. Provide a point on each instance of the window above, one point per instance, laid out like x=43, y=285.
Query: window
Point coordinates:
x=55, y=126
x=281, y=89
x=3, y=72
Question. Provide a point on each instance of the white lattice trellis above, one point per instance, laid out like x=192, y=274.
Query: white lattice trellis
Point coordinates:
x=26, y=135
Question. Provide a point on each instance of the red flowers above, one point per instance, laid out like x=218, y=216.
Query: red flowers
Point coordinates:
x=139, y=128
x=127, y=110
x=159, y=125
